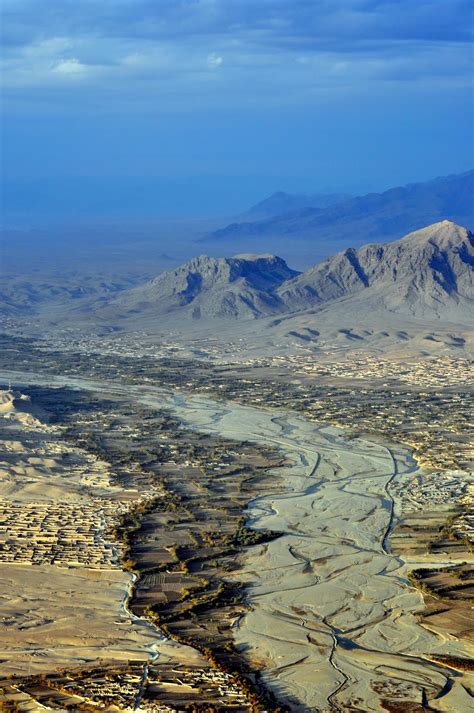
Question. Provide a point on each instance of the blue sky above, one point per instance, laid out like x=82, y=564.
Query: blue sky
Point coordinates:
x=170, y=107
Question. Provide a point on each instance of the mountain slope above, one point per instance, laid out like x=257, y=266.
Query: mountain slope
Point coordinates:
x=281, y=203
x=239, y=287
x=428, y=271
x=426, y=274
x=376, y=216
x=22, y=296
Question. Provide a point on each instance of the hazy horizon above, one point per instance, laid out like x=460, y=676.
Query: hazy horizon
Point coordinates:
x=175, y=109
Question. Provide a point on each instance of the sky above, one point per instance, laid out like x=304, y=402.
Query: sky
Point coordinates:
x=148, y=108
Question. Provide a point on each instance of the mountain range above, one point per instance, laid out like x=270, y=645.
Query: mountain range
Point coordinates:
x=353, y=221
x=428, y=273
x=280, y=203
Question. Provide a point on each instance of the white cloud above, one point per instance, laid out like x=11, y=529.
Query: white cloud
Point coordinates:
x=70, y=67
x=214, y=60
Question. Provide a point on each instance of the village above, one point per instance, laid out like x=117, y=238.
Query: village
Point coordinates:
x=431, y=371
x=57, y=533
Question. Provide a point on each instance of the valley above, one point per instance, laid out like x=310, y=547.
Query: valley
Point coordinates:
x=241, y=487
x=236, y=356
x=235, y=517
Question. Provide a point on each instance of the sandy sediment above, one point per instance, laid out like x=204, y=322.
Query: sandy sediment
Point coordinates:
x=333, y=615
x=54, y=617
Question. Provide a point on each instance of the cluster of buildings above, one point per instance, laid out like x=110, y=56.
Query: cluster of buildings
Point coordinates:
x=433, y=489
x=205, y=684
x=117, y=688
x=450, y=493
x=431, y=371
x=63, y=534
x=464, y=524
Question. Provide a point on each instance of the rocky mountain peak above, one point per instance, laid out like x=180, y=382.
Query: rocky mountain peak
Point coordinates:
x=429, y=269
x=236, y=287
x=444, y=234
x=429, y=272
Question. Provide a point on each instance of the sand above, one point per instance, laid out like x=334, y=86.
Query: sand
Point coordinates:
x=54, y=617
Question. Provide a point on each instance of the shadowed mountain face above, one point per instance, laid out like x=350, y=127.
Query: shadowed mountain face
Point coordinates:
x=243, y=286
x=376, y=216
x=427, y=273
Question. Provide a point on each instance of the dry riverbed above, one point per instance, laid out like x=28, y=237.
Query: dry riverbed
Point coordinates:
x=333, y=615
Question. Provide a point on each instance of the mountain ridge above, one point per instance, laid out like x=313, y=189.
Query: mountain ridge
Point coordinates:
x=427, y=272
x=280, y=203
x=375, y=216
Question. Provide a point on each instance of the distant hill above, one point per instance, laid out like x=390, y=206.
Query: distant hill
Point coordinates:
x=374, y=217
x=281, y=203
x=27, y=295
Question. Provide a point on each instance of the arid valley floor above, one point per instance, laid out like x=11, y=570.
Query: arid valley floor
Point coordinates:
x=253, y=534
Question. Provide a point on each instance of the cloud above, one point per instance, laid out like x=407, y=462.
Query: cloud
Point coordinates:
x=70, y=67
x=274, y=50
x=214, y=60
